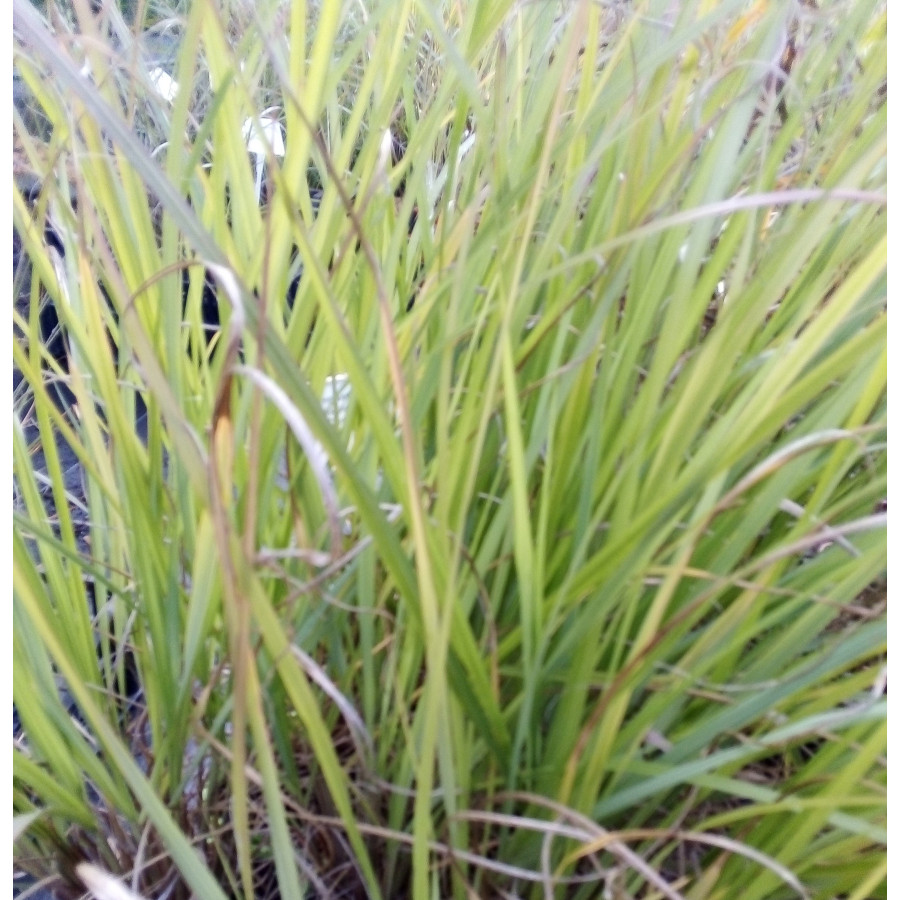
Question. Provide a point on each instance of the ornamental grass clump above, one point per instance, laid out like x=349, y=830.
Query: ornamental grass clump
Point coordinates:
x=449, y=453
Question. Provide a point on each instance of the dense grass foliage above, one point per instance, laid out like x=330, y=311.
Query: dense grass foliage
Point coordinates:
x=574, y=584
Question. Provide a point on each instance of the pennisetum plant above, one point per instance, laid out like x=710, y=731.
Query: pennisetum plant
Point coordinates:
x=574, y=585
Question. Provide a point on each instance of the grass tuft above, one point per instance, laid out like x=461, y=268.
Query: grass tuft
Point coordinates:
x=473, y=487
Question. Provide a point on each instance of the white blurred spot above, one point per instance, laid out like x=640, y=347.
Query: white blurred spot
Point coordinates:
x=268, y=133
x=258, y=137
x=336, y=398
x=165, y=84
